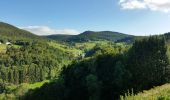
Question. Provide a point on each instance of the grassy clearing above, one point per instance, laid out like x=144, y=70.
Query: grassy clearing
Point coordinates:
x=157, y=93
x=37, y=84
x=68, y=49
x=13, y=92
x=63, y=47
x=77, y=47
x=89, y=45
x=3, y=48
x=17, y=46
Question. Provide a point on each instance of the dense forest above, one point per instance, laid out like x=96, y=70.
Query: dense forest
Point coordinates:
x=90, y=66
x=109, y=74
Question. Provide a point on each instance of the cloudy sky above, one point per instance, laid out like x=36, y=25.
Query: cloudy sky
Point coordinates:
x=44, y=17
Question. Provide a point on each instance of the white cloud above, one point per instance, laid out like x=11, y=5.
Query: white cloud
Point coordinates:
x=132, y=4
x=45, y=30
x=153, y=5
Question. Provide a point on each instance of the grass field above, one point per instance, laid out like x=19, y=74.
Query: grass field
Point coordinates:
x=63, y=47
x=89, y=45
x=157, y=93
x=13, y=92
x=66, y=48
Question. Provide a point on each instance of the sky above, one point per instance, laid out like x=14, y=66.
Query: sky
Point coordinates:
x=45, y=17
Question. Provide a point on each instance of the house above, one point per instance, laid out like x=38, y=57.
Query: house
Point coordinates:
x=8, y=43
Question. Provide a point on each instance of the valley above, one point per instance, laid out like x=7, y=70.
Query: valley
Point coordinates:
x=85, y=50
x=93, y=65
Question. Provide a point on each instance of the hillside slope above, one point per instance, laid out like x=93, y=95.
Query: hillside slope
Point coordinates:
x=11, y=32
x=157, y=93
x=29, y=58
x=92, y=36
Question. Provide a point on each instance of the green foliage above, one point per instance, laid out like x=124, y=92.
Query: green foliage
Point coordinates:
x=3, y=48
x=157, y=93
x=70, y=50
x=29, y=58
x=91, y=79
x=31, y=63
x=93, y=36
x=107, y=48
x=110, y=73
x=15, y=92
x=147, y=60
x=93, y=86
x=108, y=70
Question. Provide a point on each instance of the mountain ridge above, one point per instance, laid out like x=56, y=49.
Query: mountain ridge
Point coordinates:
x=91, y=36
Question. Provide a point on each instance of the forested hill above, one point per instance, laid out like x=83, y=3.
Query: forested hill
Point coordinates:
x=27, y=58
x=93, y=36
x=11, y=33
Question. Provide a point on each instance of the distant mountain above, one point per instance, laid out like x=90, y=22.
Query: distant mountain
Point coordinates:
x=60, y=37
x=93, y=36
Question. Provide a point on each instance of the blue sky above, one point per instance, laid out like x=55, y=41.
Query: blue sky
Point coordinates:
x=137, y=17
